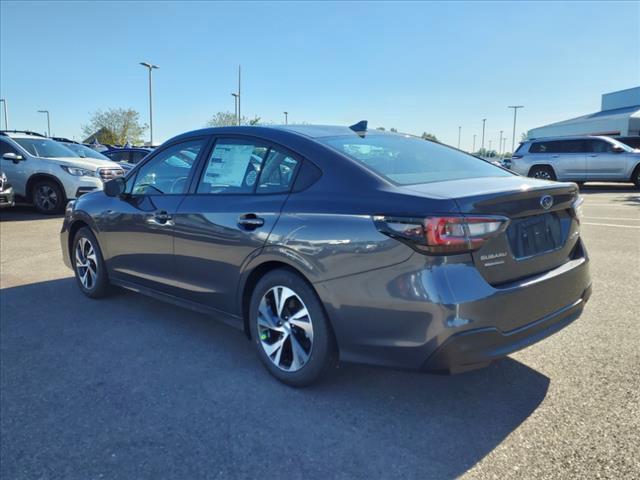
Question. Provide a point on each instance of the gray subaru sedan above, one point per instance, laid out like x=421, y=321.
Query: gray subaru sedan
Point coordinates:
x=327, y=243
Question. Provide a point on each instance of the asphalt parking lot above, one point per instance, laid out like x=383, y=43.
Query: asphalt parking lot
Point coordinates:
x=129, y=387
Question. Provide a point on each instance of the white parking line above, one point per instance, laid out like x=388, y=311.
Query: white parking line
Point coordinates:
x=617, y=218
x=611, y=225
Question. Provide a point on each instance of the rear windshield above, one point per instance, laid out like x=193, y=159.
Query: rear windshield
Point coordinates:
x=43, y=147
x=406, y=160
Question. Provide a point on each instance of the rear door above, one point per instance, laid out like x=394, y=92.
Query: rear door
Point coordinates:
x=602, y=162
x=228, y=215
x=570, y=158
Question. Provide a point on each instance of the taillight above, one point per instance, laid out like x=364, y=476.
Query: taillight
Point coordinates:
x=442, y=235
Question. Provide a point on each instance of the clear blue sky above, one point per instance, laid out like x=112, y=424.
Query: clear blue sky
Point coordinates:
x=413, y=66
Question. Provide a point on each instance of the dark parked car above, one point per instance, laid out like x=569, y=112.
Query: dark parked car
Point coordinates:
x=127, y=155
x=332, y=242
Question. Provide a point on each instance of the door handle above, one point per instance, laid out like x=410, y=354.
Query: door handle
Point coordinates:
x=162, y=217
x=250, y=221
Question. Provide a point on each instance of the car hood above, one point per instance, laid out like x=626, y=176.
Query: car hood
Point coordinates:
x=92, y=164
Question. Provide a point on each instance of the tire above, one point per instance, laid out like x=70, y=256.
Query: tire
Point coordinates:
x=301, y=350
x=542, y=172
x=88, y=265
x=635, y=177
x=47, y=197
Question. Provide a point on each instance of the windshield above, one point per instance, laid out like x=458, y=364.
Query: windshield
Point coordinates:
x=406, y=160
x=84, y=151
x=44, y=147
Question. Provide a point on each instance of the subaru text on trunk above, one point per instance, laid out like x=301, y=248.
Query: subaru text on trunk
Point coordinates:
x=326, y=243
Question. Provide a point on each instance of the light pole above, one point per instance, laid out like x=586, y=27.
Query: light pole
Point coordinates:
x=504, y=146
x=473, y=149
x=484, y=120
x=286, y=118
x=459, y=133
x=235, y=101
x=239, y=82
x=500, y=143
x=150, y=66
x=6, y=115
x=48, y=121
x=489, y=152
x=515, y=113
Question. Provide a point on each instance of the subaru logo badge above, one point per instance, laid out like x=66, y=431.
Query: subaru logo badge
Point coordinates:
x=546, y=202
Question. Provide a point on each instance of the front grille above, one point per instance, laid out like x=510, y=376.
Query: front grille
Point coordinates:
x=535, y=235
x=109, y=173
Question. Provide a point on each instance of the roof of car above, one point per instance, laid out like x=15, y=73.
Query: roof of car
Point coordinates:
x=568, y=137
x=20, y=134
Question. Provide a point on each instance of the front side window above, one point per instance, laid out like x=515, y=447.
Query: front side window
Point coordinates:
x=45, y=148
x=168, y=171
x=408, y=160
x=233, y=167
x=6, y=148
x=599, y=146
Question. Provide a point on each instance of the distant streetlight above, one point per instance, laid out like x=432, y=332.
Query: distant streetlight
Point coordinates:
x=286, y=118
x=6, y=115
x=473, y=149
x=150, y=66
x=500, y=143
x=504, y=147
x=48, y=121
x=459, y=133
x=235, y=101
x=239, y=83
x=515, y=113
x=489, y=152
x=484, y=121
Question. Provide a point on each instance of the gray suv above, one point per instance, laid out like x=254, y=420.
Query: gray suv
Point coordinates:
x=47, y=173
x=579, y=159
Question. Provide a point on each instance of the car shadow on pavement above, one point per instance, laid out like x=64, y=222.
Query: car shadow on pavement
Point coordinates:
x=23, y=212
x=130, y=387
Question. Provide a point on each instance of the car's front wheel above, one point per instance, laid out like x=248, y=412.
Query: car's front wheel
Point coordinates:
x=635, y=178
x=88, y=264
x=290, y=329
x=48, y=197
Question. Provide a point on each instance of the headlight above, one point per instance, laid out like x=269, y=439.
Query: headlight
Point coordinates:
x=78, y=172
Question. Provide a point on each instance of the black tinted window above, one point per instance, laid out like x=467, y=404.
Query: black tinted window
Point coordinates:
x=137, y=156
x=233, y=167
x=558, y=146
x=6, y=148
x=168, y=171
x=598, y=146
x=118, y=156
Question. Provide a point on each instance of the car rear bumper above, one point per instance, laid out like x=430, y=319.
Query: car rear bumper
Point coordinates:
x=441, y=314
x=476, y=348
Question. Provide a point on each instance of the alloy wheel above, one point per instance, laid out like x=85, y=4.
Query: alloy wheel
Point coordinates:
x=285, y=328
x=542, y=174
x=86, y=263
x=46, y=197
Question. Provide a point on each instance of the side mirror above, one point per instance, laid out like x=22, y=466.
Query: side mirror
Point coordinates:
x=115, y=187
x=617, y=149
x=15, y=158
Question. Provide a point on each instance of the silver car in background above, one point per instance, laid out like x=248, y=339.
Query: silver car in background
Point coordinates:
x=578, y=159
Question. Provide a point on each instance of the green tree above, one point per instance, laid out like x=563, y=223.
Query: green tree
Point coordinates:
x=429, y=136
x=225, y=119
x=394, y=130
x=380, y=128
x=115, y=126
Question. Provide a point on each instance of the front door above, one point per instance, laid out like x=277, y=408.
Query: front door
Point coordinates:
x=228, y=216
x=137, y=228
x=602, y=162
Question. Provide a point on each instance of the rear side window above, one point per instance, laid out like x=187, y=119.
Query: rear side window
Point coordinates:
x=558, y=146
x=118, y=156
x=233, y=167
x=137, y=156
x=408, y=160
x=278, y=173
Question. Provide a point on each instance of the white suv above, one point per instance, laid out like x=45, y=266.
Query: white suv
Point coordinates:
x=47, y=173
x=579, y=159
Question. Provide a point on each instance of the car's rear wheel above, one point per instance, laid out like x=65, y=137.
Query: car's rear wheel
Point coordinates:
x=48, y=197
x=542, y=172
x=290, y=329
x=88, y=264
